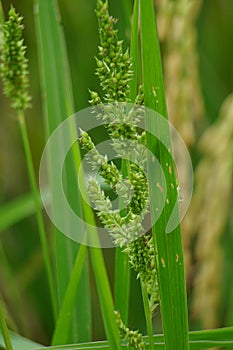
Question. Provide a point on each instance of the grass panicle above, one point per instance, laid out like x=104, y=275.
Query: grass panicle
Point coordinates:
x=124, y=227
x=14, y=64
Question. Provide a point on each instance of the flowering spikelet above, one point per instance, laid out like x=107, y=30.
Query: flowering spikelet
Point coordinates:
x=133, y=338
x=14, y=64
x=113, y=65
x=140, y=189
x=137, y=181
x=142, y=259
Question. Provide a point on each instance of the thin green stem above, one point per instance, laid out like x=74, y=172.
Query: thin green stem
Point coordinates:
x=61, y=332
x=122, y=268
x=5, y=331
x=148, y=316
x=122, y=284
x=39, y=217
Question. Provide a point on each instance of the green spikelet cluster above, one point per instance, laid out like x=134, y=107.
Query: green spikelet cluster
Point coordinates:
x=125, y=226
x=113, y=65
x=108, y=171
x=133, y=338
x=14, y=64
x=136, y=182
x=140, y=189
x=142, y=259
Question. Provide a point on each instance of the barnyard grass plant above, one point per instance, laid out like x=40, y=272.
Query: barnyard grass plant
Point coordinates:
x=156, y=257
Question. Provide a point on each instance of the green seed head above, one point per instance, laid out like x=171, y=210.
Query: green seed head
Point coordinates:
x=14, y=64
x=113, y=65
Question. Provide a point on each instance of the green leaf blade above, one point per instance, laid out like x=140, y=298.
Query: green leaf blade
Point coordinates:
x=170, y=256
x=58, y=105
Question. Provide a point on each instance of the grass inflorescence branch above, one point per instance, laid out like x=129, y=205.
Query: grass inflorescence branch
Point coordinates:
x=129, y=143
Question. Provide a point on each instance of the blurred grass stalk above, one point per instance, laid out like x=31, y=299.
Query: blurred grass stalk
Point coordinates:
x=39, y=216
x=214, y=195
x=177, y=30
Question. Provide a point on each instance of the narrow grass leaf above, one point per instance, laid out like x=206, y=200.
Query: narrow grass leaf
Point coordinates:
x=39, y=215
x=122, y=284
x=61, y=333
x=18, y=209
x=58, y=105
x=198, y=340
x=170, y=256
x=105, y=296
x=207, y=339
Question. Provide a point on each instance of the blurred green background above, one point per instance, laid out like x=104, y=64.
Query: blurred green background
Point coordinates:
x=22, y=282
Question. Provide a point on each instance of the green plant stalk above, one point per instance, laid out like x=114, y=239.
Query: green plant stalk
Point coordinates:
x=5, y=331
x=122, y=271
x=122, y=284
x=148, y=316
x=62, y=329
x=170, y=264
x=207, y=339
x=105, y=297
x=39, y=217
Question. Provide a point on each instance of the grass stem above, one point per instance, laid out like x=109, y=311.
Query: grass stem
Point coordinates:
x=148, y=316
x=4, y=329
x=39, y=217
x=62, y=329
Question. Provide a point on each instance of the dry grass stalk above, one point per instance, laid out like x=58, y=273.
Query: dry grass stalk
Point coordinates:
x=210, y=211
